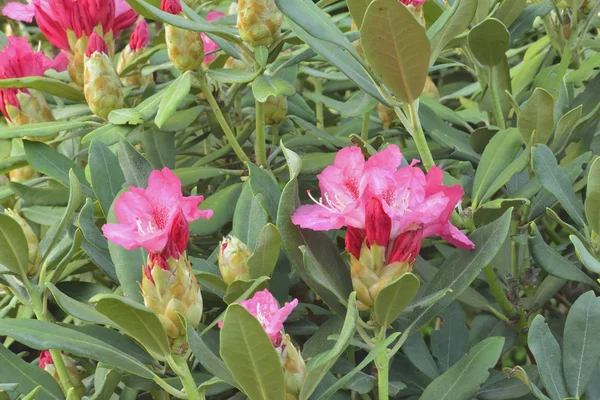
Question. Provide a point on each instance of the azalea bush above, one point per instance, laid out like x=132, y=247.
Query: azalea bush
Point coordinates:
x=293, y=200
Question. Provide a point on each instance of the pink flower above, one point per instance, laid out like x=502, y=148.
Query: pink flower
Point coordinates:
x=209, y=45
x=413, y=2
x=265, y=308
x=171, y=6
x=155, y=218
x=56, y=17
x=140, y=36
x=45, y=359
x=96, y=45
x=18, y=60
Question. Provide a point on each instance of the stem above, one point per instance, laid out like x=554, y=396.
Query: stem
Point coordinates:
x=382, y=363
x=320, y=109
x=364, y=133
x=514, y=251
x=221, y=118
x=169, y=389
x=498, y=114
x=275, y=134
x=180, y=366
x=260, y=147
x=419, y=136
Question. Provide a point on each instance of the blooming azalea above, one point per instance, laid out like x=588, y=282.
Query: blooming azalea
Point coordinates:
x=209, y=45
x=147, y=217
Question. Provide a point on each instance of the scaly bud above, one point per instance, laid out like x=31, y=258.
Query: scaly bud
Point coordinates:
x=387, y=115
x=138, y=41
x=233, y=256
x=185, y=47
x=102, y=87
x=259, y=22
x=294, y=368
x=276, y=108
x=33, y=244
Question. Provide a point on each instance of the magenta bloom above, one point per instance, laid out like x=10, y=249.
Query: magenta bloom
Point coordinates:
x=155, y=218
x=413, y=2
x=265, y=308
x=18, y=60
x=395, y=208
x=45, y=359
x=140, y=36
x=171, y=6
x=56, y=17
x=209, y=45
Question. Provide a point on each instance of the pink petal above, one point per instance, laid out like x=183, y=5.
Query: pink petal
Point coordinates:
x=19, y=11
x=317, y=218
x=388, y=159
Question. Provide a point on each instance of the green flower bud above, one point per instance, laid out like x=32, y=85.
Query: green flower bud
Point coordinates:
x=133, y=78
x=276, y=108
x=233, y=256
x=33, y=244
x=185, y=48
x=259, y=22
x=386, y=114
x=294, y=369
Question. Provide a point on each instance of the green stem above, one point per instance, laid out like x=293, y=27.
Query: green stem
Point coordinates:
x=275, y=134
x=180, y=366
x=320, y=107
x=169, y=389
x=260, y=147
x=382, y=363
x=514, y=251
x=221, y=118
x=498, y=114
x=419, y=136
x=364, y=133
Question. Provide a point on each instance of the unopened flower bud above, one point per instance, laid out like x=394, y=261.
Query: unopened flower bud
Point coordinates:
x=294, y=368
x=47, y=364
x=276, y=109
x=137, y=43
x=233, y=256
x=33, y=244
x=387, y=115
x=185, y=47
x=259, y=22
x=431, y=89
x=102, y=87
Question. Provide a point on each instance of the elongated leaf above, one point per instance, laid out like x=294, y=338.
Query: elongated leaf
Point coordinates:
x=462, y=381
x=27, y=377
x=250, y=355
x=451, y=343
x=77, y=309
x=106, y=175
x=581, y=350
x=43, y=129
x=223, y=204
x=41, y=335
x=592, y=199
x=43, y=84
x=417, y=352
x=357, y=9
x=14, y=253
x=452, y=23
x=537, y=118
x=135, y=167
x=509, y=11
x=266, y=253
x=396, y=47
x=489, y=41
x=173, y=96
x=587, y=259
x=393, y=298
x=264, y=182
x=205, y=356
x=554, y=179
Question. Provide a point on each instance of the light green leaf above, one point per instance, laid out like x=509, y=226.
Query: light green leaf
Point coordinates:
x=207, y=358
x=536, y=123
x=173, y=96
x=265, y=86
x=489, y=41
x=587, y=259
x=453, y=22
x=592, y=199
x=125, y=116
x=223, y=204
x=14, y=253
x=77, y=309
x=40, y=130
x=394, y=297
x=357, y=9
x=105, y=173
x=43, y=84
x=228, y=75
x=264, y=258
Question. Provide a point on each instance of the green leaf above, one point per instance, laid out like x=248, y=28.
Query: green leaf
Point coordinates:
x=135, y=167
x=417, y=352
x=105, y=173
x=489, y=41
x=137, y=321
x=497, y=156
x=321, y=364
x=357, y=9
x=28, y=377
x=207, y=358
x=536, y=123
x=249, y=216
x=105, y=383
x=450, y=343
x=14, y=251
x=173, y=97
x=125, y=116
x=485, y=326
x=250, y=355
x=263, y=182
x=46, y=160
x=359, y=104
x=397, y=48
x=592, y=199
x=453, y=22
x=223, y=204
x=553, y=263
x=41, y=335
x=394, y=297
x=581, y=350
x=262, y=261
x=265, y=86
x=461, y=267
x=228, y=75
x=108, y=134
x=160, y=148
x=565, y=127
x=77, y=309
x=509, y=11
x=43, y=84
x=587, y=259
x=40, y=130
x=242, y=289
x=554, y=179
x=141, y=60
x=462, y=380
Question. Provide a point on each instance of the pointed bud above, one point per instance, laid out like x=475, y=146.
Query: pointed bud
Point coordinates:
x=354, y=240
x=33, y=244
x=138, y=41
x=259, y=22
x=102, y=87
x=378, y=223
x=294, y=368
x=407, y=246
x=185, y=48
x=171, y=6
x=140, y=36
x=233, y=257
x=276, y=109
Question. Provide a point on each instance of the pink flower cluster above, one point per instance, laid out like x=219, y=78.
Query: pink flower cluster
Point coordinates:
x=156, y=218
x=265, y=308
x=413, y=2
x=381, y=202
x=45, y=359
x=209, y=45
x=56, y=17
x=18, y=60
x=140, y=36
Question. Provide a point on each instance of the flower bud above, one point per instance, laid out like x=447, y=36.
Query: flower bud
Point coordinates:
x=276, y=109
x=259, y=22
x=76, y=56
x=33, y=244
x=387, y=115
x=170, y=287
x=233, y=8
x=233, y=256
x=184, y=47
x=47, y=364
x=294, y=368
x=102, y=87
x=137, y=43
x=22, y=174
x=431, y=89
